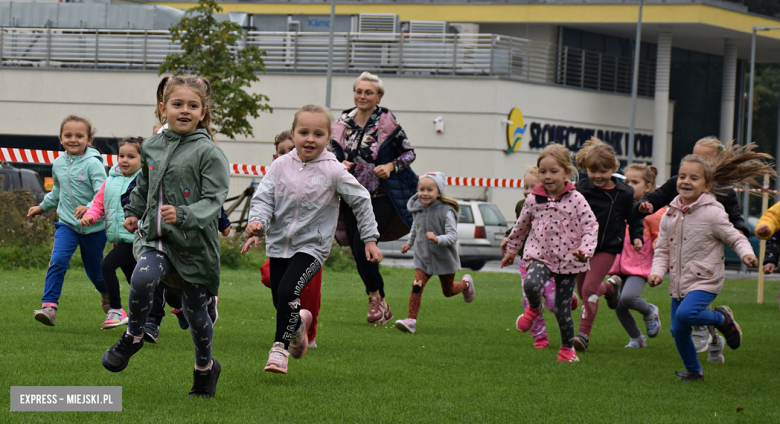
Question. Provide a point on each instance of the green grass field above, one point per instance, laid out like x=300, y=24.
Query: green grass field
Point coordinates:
x=467, y=362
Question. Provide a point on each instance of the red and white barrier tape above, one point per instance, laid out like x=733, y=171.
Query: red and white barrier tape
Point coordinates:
x=48, y=157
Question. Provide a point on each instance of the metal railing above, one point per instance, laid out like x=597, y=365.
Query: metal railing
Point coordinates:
x=415, y=54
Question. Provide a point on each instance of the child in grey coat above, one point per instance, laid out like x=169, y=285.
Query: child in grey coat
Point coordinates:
x=436, y=227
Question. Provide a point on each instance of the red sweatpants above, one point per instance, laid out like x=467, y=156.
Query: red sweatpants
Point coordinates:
x=591, y=286
x=311, y=295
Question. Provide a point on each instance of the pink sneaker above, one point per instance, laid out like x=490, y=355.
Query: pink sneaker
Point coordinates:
x=567, y=354
x=300, y=342
x=115, y=318
x=526, y=321
x=542, y=343
x=277, y=359
x=468, y=294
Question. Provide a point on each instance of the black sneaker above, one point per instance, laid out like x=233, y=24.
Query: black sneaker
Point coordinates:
x=730, y=329
x=581, y=342
x=182, y=319
x=211, y=308
x=205, y=382
x=116, y=358
x=613, y=299
x=151, y=330
x=689, y=375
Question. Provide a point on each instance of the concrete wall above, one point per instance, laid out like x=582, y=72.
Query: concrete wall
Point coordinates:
x=473, y=143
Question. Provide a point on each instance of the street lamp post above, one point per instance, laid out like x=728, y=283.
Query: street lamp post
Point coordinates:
x=635, y=86
x=329, y=77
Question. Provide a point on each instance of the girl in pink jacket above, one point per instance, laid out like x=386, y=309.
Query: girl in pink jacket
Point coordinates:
x=296, y=207
x=690, y=246
x=561, y=237
x=632, y=267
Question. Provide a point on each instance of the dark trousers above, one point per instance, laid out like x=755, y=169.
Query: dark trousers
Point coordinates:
x=288, y=278
x=121, y=256
x=384, y=212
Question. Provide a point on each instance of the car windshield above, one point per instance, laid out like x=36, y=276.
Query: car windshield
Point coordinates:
x=491, y=215
x=466, y=215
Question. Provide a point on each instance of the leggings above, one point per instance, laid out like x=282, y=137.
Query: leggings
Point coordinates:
x=591, y=286
x=121, y=256
x=288, y=278
x=630, y=299
x=539, y=329
x=448, y=286
x=538, y=274
x=152, y=267
x=384, y=212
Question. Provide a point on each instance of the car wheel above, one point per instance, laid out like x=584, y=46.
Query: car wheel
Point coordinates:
x=475, y=265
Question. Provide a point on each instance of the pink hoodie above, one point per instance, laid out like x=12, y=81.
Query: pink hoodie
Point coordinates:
x=558, y=228
x=631, y=262
x=690, y=246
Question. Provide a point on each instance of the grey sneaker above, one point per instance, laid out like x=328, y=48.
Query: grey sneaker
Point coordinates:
x=407, y=325
x=613, y=299
x=277, y=359
x=47, y=316
x=701, y=338
x=653, y=322
x=715, y=355
x=468, y=294
x=637, y=343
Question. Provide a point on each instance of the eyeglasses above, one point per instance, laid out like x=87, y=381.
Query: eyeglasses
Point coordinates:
x=368, y=93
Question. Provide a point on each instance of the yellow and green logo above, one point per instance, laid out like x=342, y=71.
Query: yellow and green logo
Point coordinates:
x=515, y=129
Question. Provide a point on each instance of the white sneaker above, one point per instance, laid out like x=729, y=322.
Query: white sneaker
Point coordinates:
x=701, y=338
x=407, y=325
x=715, y=355
x=637, y=343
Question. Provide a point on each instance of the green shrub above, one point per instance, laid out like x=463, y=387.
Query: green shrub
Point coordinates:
x=340, y=258
x=16, y=230
x=230, y=252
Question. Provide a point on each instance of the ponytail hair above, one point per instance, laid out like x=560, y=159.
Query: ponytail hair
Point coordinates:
x=649, y=172
x=201, y=87
x=736, y=166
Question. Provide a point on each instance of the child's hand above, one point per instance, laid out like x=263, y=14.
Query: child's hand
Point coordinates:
x=253, y=228
x=769, y=268
x=432, y=237
x=764, y=231
x=252, y=240
x=384, y=171
x=35, y=210
x=503, y=245
x=373, y=254
x=509, y=259
x=646, y=208
x=86, y=221
x=580, y=256
x=168, y=213
x=637, y=244
x=654, y=280
x=131, y=224
x=348, y=164
x=405, y=248
x=225, y=232
x=750, y=260
x=80, y=211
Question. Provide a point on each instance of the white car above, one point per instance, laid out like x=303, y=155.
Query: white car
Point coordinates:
x=481, y=227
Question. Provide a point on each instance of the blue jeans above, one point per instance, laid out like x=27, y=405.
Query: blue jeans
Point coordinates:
x=686, y=313
x=66, y=240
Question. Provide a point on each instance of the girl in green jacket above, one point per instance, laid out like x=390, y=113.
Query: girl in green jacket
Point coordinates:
x=173, y=210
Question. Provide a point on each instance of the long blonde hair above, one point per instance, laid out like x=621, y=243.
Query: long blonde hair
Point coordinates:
x=737, y=165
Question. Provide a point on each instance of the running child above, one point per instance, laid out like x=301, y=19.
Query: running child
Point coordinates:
x=108, y=204
x=435, y=232
x=311, y=294
x=561, y=237
x=174, y=207
x=296, y=208
x=611, y=201
x=693, y=234
x=539, y=330
x=78, y=175
x=631, y=267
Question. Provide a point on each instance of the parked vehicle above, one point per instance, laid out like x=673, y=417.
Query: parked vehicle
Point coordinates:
x=732, y=260
x=12, y=179
x=481, y=227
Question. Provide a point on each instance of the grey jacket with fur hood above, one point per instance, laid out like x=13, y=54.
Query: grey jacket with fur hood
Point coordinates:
x=440, y=218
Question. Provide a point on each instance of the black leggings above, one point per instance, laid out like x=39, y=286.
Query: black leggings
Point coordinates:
x=537, y=275
x=288, y=277
x=384, y=212
x=152, y=267
x=121, y=256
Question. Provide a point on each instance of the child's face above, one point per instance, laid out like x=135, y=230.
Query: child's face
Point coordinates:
x=553, y=175
x=183, y=110
x=129, y=159
x=636, y=180
x=311, y=135
x=601, y=177
x=691, y=183
x=427, y=191
x=708, y=152
x=75, y=138
x=284, y=147
x=529, y=182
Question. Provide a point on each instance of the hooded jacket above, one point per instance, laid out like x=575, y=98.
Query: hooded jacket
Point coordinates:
x=440, y=218
x=191, y=173
x=631, y=262
x=76, y=181
x=690, y=246
x=556, y=228
x=612, y=209
x=108, y=203
x=298, y=204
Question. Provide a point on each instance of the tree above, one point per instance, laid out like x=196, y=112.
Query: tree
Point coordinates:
x=211, y=50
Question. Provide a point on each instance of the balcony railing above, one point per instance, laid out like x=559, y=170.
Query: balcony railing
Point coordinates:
x=391, y=53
